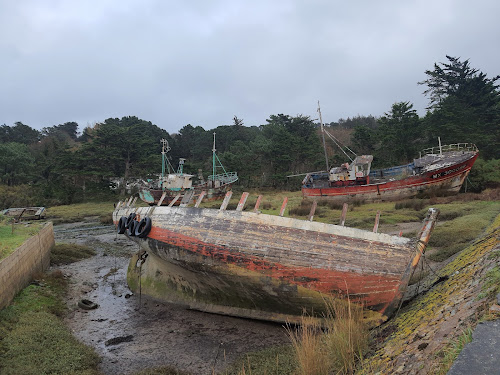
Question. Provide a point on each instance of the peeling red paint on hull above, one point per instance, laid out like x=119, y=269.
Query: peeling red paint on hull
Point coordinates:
x=257, y=265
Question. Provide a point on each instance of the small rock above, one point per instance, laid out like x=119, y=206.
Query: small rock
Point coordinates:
x=118, y=340
x=423, y=345
x=498, y=298
x=128, y=295
x=495, y=309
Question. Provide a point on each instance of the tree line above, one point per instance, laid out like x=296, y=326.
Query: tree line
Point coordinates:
x=61, y=165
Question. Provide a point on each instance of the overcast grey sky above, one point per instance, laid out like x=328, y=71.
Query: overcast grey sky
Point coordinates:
x=201, y=62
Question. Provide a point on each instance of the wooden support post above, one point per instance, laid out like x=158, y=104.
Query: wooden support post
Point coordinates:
x=187, y=198
x=129, y=201
x=257, y=204
x=313, y=210
x=283, y=206
x=162, y=198
x=377, y=218
x=200, y=198
x=242, y=201
x=174, y=200
x=344, y=213
x=225, y=202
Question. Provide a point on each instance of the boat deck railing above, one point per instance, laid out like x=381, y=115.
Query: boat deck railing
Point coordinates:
x=448, y=148
x=225, y=178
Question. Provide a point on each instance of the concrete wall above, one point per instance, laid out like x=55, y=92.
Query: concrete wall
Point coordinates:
x=17, y=270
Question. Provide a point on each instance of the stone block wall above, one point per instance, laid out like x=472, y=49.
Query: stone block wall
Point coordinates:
x=17, y=270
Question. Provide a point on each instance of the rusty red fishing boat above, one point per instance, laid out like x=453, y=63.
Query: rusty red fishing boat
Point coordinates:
x=440, y=169
x=254, y=265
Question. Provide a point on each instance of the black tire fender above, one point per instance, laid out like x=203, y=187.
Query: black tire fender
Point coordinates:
x=143, y=227
x=87, y=304
x=130, y=219
x=121, y=225
x=131, y=228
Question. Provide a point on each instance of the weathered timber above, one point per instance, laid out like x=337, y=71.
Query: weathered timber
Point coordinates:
x=271, y=267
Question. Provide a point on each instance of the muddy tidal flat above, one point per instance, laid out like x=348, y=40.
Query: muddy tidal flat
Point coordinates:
x=131, y=332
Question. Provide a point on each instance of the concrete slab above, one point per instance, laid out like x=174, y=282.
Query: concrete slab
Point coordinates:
x=482, y=355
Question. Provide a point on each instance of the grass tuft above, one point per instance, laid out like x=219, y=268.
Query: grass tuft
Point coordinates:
x=335, y=348
x=69, y=253
x=451, y=352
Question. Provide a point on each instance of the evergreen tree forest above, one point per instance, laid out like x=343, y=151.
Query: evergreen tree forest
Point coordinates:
x=63, y=164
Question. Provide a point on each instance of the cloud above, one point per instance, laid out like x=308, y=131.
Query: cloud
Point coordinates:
x=201, y=63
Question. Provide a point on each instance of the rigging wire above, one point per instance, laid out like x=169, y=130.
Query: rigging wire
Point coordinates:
x=340, y=145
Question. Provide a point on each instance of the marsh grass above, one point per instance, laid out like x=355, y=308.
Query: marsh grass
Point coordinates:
x=78, y=212
x=413, y=204
x=34, y=340
x=336, y=346
x=468, y=222
x=452, y=350
x=63, y=253
x=277, y=360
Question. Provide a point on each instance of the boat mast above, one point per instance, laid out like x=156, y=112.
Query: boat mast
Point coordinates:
x=323, y=135
x=213, y=162
x=164, y=149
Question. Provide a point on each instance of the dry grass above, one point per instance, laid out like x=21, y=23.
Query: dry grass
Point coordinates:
x=335, y=347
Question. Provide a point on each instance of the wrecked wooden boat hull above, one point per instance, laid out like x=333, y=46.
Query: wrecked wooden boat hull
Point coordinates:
x=444, y=173
x=269, y=267
x=19, y=213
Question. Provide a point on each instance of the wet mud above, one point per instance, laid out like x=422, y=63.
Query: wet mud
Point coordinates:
x=131, y=332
